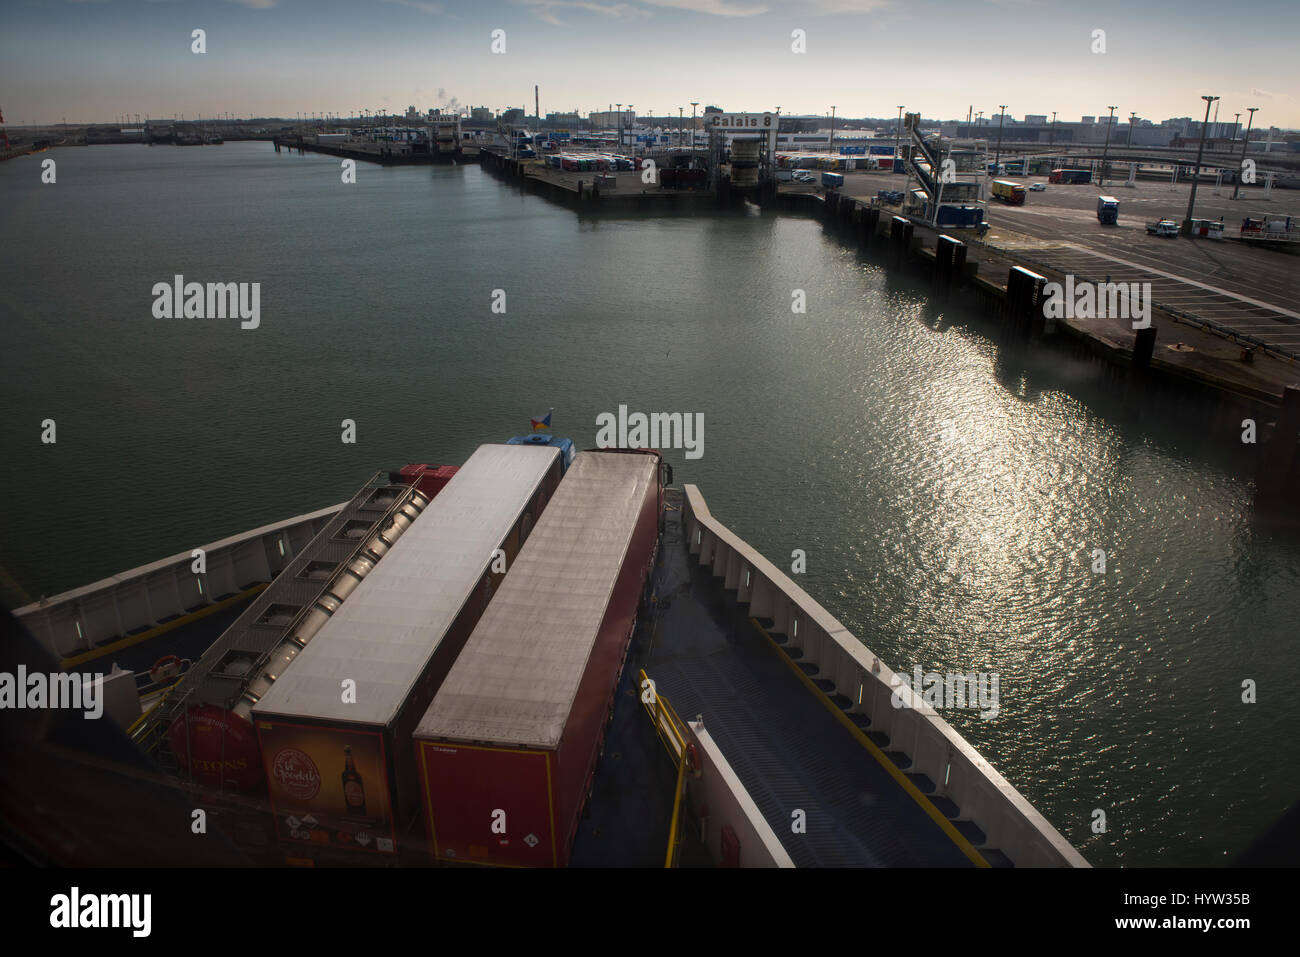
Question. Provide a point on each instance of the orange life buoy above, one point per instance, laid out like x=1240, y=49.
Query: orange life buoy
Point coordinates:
x=168, y=666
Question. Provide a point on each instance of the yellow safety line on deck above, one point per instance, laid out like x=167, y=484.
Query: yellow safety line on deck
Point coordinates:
x=161, y=629
x=926, y=805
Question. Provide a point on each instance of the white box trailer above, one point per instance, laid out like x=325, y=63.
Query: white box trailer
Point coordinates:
x=334, y=730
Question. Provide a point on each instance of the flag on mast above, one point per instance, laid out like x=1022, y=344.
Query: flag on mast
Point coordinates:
x=543, y=423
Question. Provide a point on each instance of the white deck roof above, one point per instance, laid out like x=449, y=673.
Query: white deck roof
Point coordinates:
x=517, y=678
x=385, y=632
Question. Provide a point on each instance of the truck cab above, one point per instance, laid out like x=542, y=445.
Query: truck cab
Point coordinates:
x=545, y=438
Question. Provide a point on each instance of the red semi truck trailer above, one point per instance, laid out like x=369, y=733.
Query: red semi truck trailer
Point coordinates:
x=334, y=729
x=507, y=750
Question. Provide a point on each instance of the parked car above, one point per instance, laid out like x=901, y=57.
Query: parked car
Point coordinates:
x=1165, y=227
x=1037, y=187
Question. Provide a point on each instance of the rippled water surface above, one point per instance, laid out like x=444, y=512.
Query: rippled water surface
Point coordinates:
x=948, y=496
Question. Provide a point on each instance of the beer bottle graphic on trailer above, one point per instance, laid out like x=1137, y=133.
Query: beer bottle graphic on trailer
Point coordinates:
x=354, y=794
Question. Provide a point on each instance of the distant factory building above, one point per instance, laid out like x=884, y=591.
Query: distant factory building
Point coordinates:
x=609, y=119
x=1185, y=126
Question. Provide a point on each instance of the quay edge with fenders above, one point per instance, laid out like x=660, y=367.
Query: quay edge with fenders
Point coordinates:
x=786, y=704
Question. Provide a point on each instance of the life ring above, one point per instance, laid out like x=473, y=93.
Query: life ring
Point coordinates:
x=164, y=669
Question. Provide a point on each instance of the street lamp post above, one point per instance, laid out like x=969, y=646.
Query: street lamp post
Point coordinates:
x=1132, y=116
x=1196, y=173
x=1245, y=144
x=832, y=143
x=1106, y=148
x=693, y=104
x=776, y=138
x=997, y=158
x=618, y=118
x=1051, y=140
x=898, y=132
x=680, y=131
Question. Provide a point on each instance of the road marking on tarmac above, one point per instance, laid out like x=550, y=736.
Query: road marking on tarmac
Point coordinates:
x=1191, y=282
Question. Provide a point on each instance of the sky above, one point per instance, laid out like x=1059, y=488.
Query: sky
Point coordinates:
x=96, y=60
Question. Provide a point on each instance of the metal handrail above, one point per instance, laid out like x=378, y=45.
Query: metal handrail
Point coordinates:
x=675, y=826
x=137, y=731
x=377, y=481
x=672, y=732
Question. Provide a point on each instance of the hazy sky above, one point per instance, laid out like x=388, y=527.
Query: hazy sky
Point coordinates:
x=94, y=60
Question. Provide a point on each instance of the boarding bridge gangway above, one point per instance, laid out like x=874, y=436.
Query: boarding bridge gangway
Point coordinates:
x=926, y=161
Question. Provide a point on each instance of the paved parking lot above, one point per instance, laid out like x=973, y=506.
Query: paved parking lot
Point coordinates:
x=1247, y=289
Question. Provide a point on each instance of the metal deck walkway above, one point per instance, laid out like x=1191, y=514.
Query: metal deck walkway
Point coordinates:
x=787, y=748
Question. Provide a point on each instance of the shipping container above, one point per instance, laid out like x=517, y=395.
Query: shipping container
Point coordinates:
x=334, y=729
x=683, y=178
x=959, y=217
x=832, y=180
x=429, y=479
x=507, y=749
x=1207, y=228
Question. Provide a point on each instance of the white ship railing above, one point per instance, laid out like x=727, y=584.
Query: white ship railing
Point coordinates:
x=131, y=606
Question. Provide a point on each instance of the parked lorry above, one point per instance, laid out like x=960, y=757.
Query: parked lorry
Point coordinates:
x=832, y=180
x=1107, y=210
x=341, y=774
x=518, y=726
x=1070, y=176
x=1008, y=191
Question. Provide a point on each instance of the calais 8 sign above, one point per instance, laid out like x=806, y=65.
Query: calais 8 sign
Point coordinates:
x=741, y=121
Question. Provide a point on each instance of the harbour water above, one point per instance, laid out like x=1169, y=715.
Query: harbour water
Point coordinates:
x=949, y=497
